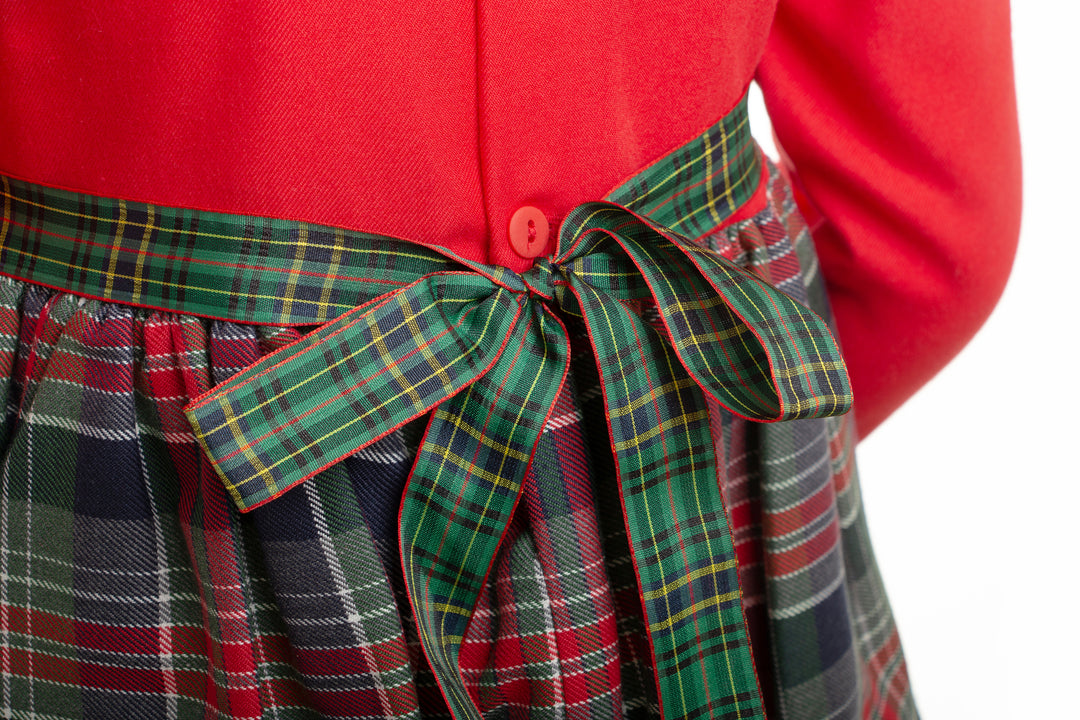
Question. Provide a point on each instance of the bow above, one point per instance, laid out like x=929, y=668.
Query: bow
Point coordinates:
x=486, y=352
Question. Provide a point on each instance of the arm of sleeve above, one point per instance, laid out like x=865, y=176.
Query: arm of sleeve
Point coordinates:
x=897, y=124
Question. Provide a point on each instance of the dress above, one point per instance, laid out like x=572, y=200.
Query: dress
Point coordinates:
x=132, y=584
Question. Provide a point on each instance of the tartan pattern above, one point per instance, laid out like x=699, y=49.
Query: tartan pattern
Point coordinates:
x=132, y=586
x=776, y=360
x=464, y=485
x=756, y=351
x=679, y=538
x=543, y=634
x=457, y=327
x=243, y=268
x=239, y=651
x=468, y=475
x=283, y=419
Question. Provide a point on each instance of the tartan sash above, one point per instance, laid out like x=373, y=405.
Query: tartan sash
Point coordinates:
x=484, y=348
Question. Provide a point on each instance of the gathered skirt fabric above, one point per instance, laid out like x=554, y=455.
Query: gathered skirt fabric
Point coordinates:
x=130, y=585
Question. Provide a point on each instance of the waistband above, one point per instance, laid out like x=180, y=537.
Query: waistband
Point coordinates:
x=272, y=271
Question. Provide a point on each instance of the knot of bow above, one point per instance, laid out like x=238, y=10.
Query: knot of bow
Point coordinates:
x=487, y=350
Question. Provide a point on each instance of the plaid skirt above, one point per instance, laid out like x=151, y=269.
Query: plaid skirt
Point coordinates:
x=132, y=585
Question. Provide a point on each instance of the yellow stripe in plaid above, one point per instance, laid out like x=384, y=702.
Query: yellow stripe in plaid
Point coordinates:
x=144, y=248
x=712, y=601
x=261, y=472
x=114, y=250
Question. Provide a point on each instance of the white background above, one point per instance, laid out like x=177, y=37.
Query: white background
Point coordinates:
x=972, y=488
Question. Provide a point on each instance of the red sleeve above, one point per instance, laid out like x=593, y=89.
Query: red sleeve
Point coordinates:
x=897, y=122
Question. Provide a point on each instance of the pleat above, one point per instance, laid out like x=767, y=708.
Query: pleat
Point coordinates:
x=509, y=657
x=11, y=293
x=333, y=596
x=560, y=505
x=179, y=360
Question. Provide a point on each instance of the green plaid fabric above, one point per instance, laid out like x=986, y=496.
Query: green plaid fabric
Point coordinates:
x=676, y=328
x=248, y=269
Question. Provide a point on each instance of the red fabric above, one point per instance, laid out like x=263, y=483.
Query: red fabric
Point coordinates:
x=377, y=116
x=434, y=122
x=897, y=120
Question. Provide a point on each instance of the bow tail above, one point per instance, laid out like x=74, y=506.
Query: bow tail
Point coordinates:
x=677, y=527
x=465, y=484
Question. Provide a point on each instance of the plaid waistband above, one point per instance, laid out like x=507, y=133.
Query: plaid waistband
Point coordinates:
x=412, y=329
x=271, y=271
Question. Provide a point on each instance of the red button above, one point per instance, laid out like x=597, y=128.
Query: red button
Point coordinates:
x=529, y=231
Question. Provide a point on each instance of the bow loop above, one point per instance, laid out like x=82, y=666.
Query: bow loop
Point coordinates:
x=757, y=352
x=283, y=419
x=806, y=369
